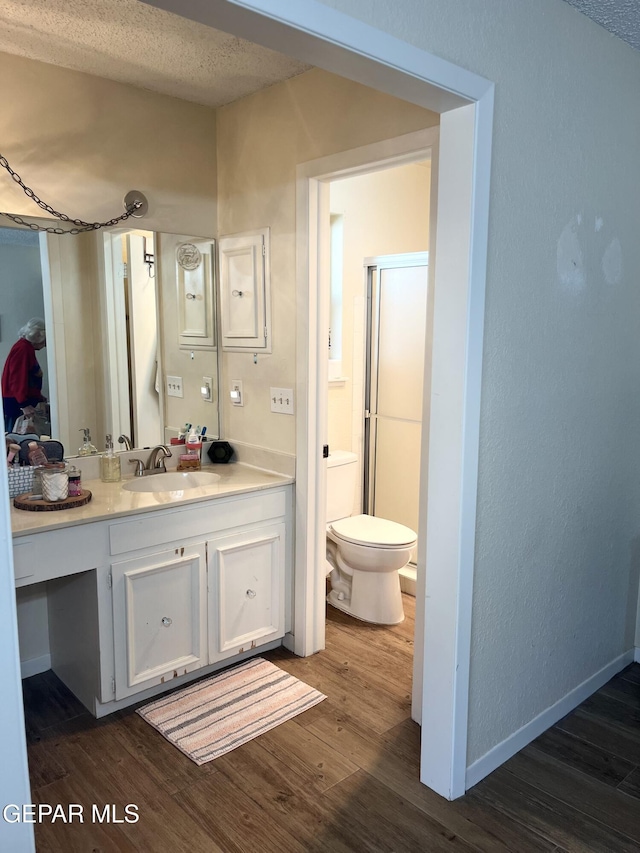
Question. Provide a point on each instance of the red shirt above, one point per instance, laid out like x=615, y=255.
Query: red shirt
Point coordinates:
x=22, y=376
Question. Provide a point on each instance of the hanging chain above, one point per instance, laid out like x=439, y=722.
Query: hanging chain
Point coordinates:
x=80, y=224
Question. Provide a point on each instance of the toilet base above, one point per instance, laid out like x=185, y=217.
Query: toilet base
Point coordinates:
x=375, y=598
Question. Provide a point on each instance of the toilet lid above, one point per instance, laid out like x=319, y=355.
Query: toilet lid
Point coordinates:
x=369, y=530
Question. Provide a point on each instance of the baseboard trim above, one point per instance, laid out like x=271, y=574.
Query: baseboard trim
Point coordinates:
x=408, y=580
x=34, y=666
x=519, y=739
x=636, y=657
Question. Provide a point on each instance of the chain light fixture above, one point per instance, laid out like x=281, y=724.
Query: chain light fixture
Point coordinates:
x=135, y=204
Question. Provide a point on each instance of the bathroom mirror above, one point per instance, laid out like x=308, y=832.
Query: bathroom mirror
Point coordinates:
x=123, y=354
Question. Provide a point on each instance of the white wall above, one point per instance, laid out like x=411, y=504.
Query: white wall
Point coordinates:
x=14, y=777
x=559, y=479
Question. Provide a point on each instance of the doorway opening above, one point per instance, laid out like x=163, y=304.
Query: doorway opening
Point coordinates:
x=379, y=237
x=318, y=178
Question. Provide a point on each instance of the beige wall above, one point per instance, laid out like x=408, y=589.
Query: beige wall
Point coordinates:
x=385, y=213
x=82, y=143
x=261, y=139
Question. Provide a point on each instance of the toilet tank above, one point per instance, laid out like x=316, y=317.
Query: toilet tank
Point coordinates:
x=342, y=475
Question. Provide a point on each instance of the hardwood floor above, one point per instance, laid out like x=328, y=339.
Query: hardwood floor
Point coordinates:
x=341, y=777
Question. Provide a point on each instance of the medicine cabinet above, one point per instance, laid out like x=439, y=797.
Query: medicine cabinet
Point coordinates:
x=245, y=301
x=190, y=262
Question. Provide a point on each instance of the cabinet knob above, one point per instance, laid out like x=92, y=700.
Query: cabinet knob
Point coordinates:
x=236, y=293
x=166, y=621
x=251, y=593
x=190, y=295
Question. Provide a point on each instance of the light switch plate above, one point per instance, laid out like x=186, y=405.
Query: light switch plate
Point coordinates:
x=174, y=386
x=281, y=400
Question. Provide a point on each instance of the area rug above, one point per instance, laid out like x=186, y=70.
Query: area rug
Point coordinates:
x=214, y=716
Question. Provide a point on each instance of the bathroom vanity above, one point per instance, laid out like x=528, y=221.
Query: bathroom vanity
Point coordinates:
x=146, y=591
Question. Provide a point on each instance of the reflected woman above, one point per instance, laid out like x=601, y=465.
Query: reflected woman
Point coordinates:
x=22, y=375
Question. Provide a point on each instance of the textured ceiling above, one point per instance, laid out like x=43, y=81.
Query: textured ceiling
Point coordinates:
x=130, y=42
x=620, y=17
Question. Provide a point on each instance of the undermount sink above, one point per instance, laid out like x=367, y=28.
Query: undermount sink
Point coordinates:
x=173, y=481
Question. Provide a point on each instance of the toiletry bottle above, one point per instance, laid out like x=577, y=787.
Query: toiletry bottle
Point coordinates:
x=193, y=447
x=36, y=454
x=87, y=448
x=109, y=464
x=75, y=483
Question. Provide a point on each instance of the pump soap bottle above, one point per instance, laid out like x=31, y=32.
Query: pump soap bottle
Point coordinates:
x=87, y=448
x=110, y=464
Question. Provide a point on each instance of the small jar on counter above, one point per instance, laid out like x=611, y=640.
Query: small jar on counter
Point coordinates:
x=75, y=482
x=55, y=482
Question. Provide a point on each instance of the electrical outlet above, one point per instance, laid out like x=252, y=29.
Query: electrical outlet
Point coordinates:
x=174, y=386
x=236, y=392
x=282, y=400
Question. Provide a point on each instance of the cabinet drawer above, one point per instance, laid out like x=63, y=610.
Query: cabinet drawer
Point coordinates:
x=200, y=519
x=59, y=553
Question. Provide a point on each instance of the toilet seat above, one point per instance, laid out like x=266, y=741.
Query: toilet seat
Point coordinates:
x=374, y=532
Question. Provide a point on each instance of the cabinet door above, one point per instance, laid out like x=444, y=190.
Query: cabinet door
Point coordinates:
x=186, y=268
x=246, y=590
x=159, y=609
x=245, y=291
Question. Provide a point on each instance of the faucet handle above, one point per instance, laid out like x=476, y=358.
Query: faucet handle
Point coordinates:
x=139, y=472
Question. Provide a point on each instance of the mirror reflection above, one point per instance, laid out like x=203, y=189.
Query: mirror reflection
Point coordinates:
x=131, y=344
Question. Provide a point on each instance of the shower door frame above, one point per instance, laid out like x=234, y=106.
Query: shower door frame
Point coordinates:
x=378, y=263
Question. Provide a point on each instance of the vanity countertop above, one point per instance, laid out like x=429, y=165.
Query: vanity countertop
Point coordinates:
x=110, y=500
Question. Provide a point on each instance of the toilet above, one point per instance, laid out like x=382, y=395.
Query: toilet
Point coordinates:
x=364, y=553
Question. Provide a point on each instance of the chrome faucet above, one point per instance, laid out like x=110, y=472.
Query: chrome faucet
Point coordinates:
x=124, y=439
x=155, y=462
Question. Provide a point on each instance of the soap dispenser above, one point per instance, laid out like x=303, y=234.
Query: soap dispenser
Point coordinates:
x=87, y=448
x=110, y=464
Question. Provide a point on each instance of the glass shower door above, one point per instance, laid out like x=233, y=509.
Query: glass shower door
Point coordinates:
x=393, y=417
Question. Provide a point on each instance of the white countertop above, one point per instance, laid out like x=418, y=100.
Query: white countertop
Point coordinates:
x=110, y=500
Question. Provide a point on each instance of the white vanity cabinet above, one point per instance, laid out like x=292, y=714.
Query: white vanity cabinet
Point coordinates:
x=153, y=599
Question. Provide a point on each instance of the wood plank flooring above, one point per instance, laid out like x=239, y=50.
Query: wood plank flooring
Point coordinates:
x=341, y=777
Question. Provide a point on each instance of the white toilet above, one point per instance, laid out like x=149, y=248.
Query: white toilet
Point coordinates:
x=364, y=553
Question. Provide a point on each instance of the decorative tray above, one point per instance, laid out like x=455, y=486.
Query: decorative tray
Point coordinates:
x=24, y=502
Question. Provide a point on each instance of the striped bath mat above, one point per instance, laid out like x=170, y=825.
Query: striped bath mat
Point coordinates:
x=216, y=715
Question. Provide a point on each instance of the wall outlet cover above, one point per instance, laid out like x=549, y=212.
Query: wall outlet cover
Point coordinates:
x=236, y=392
